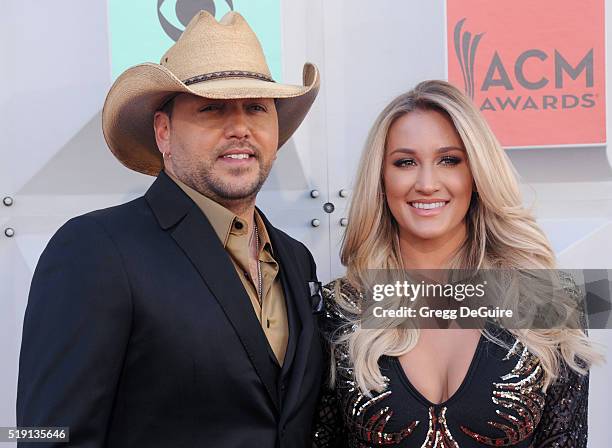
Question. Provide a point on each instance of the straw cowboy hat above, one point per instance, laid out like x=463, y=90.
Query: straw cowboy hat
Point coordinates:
x=218, y=60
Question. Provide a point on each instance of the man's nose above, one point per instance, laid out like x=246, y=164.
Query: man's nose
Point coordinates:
x=237, y=124
x=427, y=181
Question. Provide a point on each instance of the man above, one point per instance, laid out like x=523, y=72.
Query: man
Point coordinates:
x=182, y=318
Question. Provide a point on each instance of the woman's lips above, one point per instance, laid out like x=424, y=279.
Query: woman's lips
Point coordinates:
x=428, y=208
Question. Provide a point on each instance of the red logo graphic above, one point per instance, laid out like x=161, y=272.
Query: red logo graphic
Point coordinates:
x=536, y=70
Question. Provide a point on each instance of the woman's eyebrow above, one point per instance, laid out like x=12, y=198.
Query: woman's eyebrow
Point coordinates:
x=449, y=148
x=440, y=150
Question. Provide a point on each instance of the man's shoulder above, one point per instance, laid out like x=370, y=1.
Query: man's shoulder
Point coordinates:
x=124, y=218
x=296, y=252
x=132, y=209
x=287, y=240
x=128, y=213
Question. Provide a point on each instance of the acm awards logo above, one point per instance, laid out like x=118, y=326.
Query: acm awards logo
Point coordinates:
x=185, y=10
x=508, y=74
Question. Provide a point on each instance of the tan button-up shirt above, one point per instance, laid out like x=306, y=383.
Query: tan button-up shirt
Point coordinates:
x=234, y=235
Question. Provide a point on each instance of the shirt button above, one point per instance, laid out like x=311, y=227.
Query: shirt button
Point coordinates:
x=238, y=225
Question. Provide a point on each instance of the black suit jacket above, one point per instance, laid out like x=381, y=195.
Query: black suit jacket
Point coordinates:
x=139, y=333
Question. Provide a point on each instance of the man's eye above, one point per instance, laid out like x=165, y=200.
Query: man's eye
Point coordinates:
x=450, y=160
x=258, y=107
x=210, y=107
x=404, y=162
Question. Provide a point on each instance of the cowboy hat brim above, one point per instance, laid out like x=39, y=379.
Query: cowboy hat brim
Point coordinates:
x=131, y=103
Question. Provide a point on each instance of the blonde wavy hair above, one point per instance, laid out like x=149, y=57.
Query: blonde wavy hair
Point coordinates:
x=501, y=233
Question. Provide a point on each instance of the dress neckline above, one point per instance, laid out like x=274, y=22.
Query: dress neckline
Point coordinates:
x=464, y=384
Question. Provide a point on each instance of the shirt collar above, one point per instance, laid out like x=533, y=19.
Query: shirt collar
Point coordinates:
x=222, y=220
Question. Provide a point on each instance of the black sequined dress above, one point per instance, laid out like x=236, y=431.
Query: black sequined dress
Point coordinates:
x=499, y=403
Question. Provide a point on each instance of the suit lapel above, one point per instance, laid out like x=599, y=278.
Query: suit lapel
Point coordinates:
x=196, y=237
x=293, y=320
x=295, y=288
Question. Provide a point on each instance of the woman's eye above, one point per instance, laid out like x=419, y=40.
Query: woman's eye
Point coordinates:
x=404, y=162
x=450, y=160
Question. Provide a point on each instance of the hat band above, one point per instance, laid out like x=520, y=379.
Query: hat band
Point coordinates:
x=227, y=74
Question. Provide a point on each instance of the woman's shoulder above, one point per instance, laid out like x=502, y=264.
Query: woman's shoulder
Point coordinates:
x=343, y=293
x=342, y=302
x=569, y=285
x=576, y=300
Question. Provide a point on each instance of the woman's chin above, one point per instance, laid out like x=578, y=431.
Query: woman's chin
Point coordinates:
x=425, y=234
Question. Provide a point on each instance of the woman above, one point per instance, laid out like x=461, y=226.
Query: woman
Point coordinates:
x=435, y=190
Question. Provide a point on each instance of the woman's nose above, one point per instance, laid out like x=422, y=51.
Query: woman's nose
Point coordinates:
x=427, y=182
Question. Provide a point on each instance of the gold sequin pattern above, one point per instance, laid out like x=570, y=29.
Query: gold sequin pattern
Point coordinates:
x=523, y=397
x=438, y=434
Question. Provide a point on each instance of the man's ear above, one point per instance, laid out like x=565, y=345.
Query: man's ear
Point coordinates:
x=161, y=126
